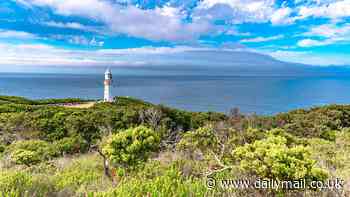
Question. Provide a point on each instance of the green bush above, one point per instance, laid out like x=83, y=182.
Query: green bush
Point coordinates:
x=16, y=100
x=59, y=101
x=83, y=124
x=19, y=183
x=11, y=181
x=25, y=157
x=271, y=158
x=131, y=147
x=52, y=124
x=169, y=182
x=72, y=145
x=31, y=152
x=77, y=175
x=203, y=138
x=328, y=135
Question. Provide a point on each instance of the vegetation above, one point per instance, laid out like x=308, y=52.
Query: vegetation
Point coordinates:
x=131, y=147
x=134, y=148
x=271, y=158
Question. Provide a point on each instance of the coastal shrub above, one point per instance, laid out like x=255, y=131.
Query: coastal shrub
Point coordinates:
x=271, y=158
x=59, y=101
x=22, y=100
x=179, y=119
x=131, y=147
x=14, y=108
x=203, y=138
x=25, y=157
x=80, y=174
x=52, y=125
x=334, y=155
x=328, y=135
x=250, y=134
x=168, y=182
x=129, y=101
x=241, y=136
x=325, y=152
x=315, y=121
x=19, y=183
x=291, y=139
x=16, y=100
x=81, y=123
x=11, y=181
x=71, y=145
x=31, y=152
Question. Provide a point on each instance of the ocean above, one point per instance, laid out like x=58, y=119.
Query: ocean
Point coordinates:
x=251, y=94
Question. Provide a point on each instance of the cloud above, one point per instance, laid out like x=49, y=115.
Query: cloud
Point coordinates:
x=282, y=16
x=71, y=25
x=262, y=39
x=312, y=43
x=329, y=30
x=165, y=23
x=16, y=34
x=45, y=55
x=236, y=11
x=39, y=54
x=330, y=34
x=233, y=32
x=242, y=11
x=327, y=9
x=81, y=40
x=309, y=57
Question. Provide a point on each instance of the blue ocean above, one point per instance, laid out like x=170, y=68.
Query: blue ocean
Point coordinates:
x=198, y=92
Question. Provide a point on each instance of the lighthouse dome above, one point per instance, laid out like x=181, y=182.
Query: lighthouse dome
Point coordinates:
x=108, y=74
x=108, y=71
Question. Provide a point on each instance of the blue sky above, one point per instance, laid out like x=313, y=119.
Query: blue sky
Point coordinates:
x=171, y=32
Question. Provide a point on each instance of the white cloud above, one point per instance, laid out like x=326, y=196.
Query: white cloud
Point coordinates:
x=16, y=34
x=164, y=23
x=329, y=30
x=327, y=9
x=330, y=33
x=38, y=54
x=261, y=11
x=241, y=11
x=282, y=16
x=262, y=39
x=81, y=40
x=312, y=43
x=70, y=25
x=309, y=57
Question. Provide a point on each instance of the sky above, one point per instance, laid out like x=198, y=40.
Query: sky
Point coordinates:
x=172, y=32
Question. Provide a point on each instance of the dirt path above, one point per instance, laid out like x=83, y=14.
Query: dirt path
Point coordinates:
x=80, y=105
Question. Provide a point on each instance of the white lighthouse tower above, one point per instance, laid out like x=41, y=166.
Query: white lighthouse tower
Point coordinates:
x=108, y=86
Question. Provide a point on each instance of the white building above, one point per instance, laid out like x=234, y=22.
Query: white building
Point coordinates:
x=108, y=86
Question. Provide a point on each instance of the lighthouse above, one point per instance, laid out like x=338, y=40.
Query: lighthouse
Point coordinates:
x=108, y=86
